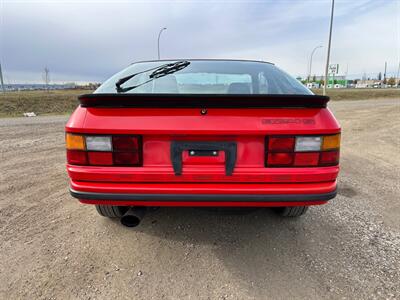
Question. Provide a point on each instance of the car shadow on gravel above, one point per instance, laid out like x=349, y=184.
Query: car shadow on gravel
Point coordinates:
x=323, y=254
x=258, y=247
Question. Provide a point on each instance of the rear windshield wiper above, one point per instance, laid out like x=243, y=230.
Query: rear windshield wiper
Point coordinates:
x=158, y=72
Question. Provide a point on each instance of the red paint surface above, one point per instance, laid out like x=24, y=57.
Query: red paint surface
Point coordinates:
x=201, y=173
x=172, y=121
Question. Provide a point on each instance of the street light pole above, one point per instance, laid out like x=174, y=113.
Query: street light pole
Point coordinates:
x=329, y=48
x=1, y=80
x=310, y=65
x=158, y=41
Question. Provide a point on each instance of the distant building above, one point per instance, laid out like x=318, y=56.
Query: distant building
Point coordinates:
x=369, y=83
x=336, y=82
x=313, y=85
x=337, y=77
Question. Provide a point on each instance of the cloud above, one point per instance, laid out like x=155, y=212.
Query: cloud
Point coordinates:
x=91, y=40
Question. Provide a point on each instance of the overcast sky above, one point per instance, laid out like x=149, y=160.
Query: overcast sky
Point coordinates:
x=91, y=40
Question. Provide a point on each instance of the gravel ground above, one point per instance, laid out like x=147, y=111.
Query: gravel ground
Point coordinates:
x=54, y=247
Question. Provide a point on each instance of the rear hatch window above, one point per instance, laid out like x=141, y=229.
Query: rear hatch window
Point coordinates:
x=205, y=77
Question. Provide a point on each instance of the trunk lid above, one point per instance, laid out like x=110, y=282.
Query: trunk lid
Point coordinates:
x=208, y=132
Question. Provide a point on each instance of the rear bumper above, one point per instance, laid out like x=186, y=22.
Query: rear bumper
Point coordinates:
x=192, y=174
x=204, y=197
x=203, y=194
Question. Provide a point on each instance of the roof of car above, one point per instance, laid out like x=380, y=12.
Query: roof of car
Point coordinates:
x=204, y=59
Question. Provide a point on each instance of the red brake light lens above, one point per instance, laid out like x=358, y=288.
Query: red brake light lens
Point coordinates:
x=125, y=143
x=281, y=144
x=329, y=158
x=127, y=150
x=76, y=157
x=126, y=158
x=280, y=159
x=306, y=159
x=100, y=158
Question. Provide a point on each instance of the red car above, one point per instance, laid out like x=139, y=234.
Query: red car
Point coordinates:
x=211, y=133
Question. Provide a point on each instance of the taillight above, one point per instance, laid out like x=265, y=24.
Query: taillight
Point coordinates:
x=280, y=159
x=75, y=142
x=98, y=143
x=104, y=150
x=282, y=144
x=100, y=158
x=329, y=158
x=302, y=151
x=308, y=159
x=126, y=158
x=76, y=157
x=125, y=143
x=307, y=143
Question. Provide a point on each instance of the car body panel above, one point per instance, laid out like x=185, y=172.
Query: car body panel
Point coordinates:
x=217, y=121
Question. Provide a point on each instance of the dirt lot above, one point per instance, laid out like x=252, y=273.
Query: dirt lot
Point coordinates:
x=53, y=247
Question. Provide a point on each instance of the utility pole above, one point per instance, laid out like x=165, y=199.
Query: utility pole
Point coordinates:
x=46, y=77
x=329, y=49
x=1, y=80
x=158, y=41
x=384, y=74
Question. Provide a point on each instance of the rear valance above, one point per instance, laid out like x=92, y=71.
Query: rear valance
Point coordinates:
x=202, y=101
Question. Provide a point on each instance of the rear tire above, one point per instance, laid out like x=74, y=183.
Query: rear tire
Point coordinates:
x=111, y=211
x=291, y=211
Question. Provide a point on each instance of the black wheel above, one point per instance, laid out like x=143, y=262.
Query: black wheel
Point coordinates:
x=111, y=211
x=291, y=211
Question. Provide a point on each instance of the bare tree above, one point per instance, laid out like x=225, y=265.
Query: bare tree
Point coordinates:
x=364, y=77
x=391, y=81
x=46, y=77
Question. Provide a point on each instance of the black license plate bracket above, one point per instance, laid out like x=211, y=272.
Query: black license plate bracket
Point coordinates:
x=203, y=148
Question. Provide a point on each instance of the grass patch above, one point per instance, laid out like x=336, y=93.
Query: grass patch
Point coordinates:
x=360, y=94
x=58, y=102
x=14, y=104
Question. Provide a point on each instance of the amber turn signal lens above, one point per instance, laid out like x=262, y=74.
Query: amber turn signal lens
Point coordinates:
x=331, y=142
x=74, y=142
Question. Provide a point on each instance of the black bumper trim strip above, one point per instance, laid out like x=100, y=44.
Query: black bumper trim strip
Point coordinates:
x=205, y=197
x=230, y=149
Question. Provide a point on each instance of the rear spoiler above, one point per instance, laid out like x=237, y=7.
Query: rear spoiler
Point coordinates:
x=202, y=101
